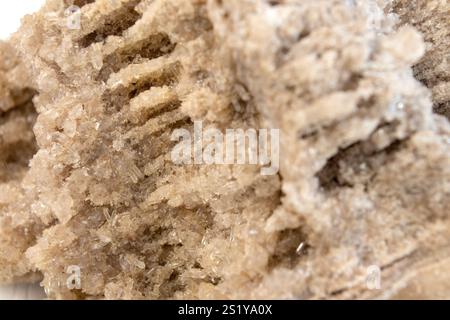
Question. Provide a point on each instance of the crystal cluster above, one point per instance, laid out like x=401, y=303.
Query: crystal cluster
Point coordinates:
x=364, y=176
x=17, y=147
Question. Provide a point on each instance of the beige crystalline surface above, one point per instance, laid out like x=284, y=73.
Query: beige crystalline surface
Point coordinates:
x=365, y=163
x=432, y=18
x=17, y=146
x=137, y=225
x=365, y=166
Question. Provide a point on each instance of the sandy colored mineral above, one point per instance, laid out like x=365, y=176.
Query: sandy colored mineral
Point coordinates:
x=364, y=176
x=365, y=163
x=17, y=147
x=137, y=225
x=431, y=18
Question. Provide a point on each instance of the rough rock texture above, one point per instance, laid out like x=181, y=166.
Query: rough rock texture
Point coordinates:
x=17, y=146
x=365, y=164
x=138, y=225
x=431, y=18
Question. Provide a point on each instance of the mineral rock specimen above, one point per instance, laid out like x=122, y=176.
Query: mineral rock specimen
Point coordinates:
x=17, y=146
x=365, y=164
x=364, y=180
x=111, y=94
x=431, y=17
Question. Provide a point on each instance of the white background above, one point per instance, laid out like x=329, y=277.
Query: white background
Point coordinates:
x=11, y=11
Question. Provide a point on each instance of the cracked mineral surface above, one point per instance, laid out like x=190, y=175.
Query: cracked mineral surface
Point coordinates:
x=364, y=175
